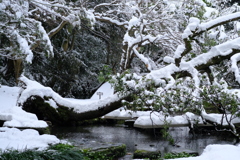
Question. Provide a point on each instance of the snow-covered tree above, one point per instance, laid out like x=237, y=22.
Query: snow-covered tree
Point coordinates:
x=175, y=54
x=145, y=24
x=205, y=60
x=26, y=28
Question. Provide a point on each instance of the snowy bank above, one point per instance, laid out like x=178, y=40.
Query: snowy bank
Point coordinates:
x=149, y=119
x=159, y=121
x=15, y=116
x=187, y=119
x=126, y=114
x=15, y=139
x=8, y=97
x=218, y=152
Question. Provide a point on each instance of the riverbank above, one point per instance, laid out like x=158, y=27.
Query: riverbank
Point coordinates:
x=68, y=152
x=16, y=140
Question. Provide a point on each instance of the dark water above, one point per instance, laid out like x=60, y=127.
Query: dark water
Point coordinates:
x=140, y=139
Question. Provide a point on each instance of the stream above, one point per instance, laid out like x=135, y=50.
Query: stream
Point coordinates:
x=139, y=139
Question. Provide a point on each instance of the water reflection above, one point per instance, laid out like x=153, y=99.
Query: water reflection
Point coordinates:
x=139, y=139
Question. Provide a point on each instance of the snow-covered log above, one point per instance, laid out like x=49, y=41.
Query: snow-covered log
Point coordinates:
x=48, y=105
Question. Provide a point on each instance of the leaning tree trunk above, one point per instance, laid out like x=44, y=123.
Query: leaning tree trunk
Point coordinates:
x=63, y=115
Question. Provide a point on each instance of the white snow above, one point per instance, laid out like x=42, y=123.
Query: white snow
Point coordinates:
x=235, y=58
x=168, y=59
x=218, y=152
x=14, y=116
x=164, y=72
x=45, y=38
x=133, y=22
x=24, y=47
x=209, y=12
x=78, y=105
x=219, y=119
x=106, y=89
x=112, y=21
x=125, y=114
x=8, y=97
x=149, y=119
x=22, y=119
x=13, y=138
x=237, y=25
x=204, y=26
x=219, y=50
x=157, y=120
x=192, y=26
x=179, y=50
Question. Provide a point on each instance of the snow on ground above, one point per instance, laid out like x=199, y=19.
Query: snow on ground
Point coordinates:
x=13, y=138
x=218, y=152
x=149, y=119
x=156, y=120
x=22, y=119
x=8, y=97
x=125, y=114
x=13, y=115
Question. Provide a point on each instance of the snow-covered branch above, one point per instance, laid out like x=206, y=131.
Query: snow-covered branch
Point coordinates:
x=143, y=26
x=57, y=29
x=195, y=29
x=22, y=25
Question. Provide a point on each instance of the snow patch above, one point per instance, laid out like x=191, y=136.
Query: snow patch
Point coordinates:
x=15, y=139
x=217, y=152
x=22, y=119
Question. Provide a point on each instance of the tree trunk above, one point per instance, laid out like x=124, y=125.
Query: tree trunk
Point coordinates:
x=17, y=68
x=63, y=115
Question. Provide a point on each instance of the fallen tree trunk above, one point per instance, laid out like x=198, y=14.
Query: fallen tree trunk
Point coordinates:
x=50, y=106
x=63, y=115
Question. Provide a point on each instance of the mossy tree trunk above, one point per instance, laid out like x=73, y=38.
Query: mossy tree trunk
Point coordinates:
x=63, y=115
